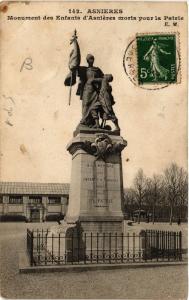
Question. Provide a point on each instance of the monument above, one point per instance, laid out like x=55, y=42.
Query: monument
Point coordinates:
x=94, y=214
x=96, y=186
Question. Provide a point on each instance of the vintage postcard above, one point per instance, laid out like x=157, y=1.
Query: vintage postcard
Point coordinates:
x=93, y=150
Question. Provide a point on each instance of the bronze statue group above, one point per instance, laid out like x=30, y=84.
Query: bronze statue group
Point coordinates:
x=94, y=90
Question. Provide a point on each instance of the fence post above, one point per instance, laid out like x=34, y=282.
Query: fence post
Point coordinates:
x=151, y=235
x=116, y=247
x=177, y=246
x=39, y=246
x=157, y=244
x=168, y=245
x=139, y=247
x=163, y=243
x=31, y=249
x=128, y=246
x=97, y=247
x=180, y=245
x=174, y=245
x=37, y=239
x=85, y=247
x=133, y=247
x=52, y=252
x=46, y=237
x=145, y=245
x=110, y=251
x=103, y=246
x=42, y=239
x=122, y=245
x=91, y=246
x=63, y=255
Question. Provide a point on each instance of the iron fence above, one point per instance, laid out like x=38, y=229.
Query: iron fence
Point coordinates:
x=46, y=248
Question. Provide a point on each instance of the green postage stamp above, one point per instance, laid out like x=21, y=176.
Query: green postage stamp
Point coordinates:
x=152, y=60
x=156, y=56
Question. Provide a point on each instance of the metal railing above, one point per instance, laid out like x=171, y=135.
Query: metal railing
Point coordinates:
x=46, y=248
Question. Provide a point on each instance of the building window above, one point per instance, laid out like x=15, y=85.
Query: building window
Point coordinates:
x=1, y=199
x=35, y=200
x=15, y=199
x=54, y=200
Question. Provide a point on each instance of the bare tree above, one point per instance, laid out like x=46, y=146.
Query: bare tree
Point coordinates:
x=183, y=191
x=148, y=194
x=156, y=192
x=173, y=176
x=140, y=189
x=129, y=200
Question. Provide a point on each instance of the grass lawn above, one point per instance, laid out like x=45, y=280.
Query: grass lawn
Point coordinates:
x=150, y=283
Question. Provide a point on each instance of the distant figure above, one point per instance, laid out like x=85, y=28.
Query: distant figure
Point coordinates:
x=148, y=218
x=179, y=221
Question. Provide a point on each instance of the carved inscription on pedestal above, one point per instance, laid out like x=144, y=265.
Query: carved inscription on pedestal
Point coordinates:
x=100, y=183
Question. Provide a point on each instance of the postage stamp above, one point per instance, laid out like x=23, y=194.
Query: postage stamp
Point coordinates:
x=152, y=61
x=156, y=55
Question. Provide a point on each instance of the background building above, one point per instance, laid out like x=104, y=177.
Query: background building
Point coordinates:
x=34, y=202
x=38, y=202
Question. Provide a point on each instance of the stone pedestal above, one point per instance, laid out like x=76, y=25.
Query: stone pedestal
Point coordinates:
x=96, y=187
x=93, y=227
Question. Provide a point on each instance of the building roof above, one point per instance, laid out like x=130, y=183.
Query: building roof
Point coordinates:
x=30, y=188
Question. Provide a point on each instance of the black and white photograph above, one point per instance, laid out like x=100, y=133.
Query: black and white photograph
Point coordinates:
x=93, y=150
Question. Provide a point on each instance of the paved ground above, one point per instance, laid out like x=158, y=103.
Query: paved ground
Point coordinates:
x=158, y=283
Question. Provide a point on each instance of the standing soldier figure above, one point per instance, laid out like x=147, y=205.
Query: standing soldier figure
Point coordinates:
x=88, y=90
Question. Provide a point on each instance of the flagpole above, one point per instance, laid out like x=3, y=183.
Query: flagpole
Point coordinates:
x=74, y=62
x=70, y=91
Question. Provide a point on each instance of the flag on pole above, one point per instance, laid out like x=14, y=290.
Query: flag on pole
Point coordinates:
x=74, y=62
x=75, y=56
